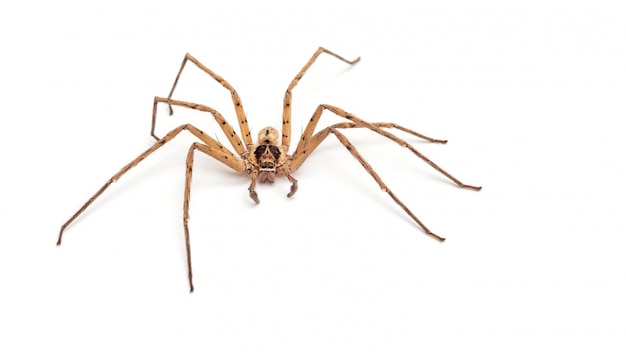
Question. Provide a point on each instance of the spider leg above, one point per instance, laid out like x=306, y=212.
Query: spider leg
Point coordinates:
x=346, y=125
x=309, y=142
x=241, y=116
x=225, y=126
x=286, y=139
x=344, y=140
x=215, y=153
x=212, y=148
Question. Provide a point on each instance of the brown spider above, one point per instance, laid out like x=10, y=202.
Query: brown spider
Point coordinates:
x=264, y=161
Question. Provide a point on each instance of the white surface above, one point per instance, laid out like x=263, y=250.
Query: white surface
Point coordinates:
x=530, y=96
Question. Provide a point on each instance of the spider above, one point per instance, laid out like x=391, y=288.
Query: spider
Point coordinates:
x=266, y=160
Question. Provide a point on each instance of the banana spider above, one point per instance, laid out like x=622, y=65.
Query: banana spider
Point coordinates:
x=264, y=161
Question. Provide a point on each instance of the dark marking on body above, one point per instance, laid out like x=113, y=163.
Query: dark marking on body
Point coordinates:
x=261, y=150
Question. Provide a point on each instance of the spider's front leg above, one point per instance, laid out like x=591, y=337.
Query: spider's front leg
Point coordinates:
x=286, y=136
x=241, y=116
x=210, y=147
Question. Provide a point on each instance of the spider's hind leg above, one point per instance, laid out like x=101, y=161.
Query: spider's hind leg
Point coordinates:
x=213, y=149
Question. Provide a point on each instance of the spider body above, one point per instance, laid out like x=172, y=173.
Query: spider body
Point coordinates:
x=268, y=159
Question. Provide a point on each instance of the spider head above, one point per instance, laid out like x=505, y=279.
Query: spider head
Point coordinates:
x=268, y=136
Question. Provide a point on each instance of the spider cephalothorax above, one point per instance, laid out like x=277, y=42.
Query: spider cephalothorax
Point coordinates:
x=267, y=159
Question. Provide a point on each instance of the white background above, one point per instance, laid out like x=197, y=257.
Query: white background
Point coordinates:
x=531, y=97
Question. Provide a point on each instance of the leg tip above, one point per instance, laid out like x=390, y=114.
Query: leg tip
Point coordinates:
x=440, y=239
x=475, y=188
